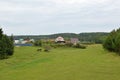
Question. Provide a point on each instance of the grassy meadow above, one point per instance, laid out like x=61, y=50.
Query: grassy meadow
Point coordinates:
x=93, y=63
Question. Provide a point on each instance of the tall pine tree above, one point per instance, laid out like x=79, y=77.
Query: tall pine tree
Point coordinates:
x=1, y=33
x=6, y=46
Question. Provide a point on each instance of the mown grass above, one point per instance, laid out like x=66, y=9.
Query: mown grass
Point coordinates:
x=93, y=63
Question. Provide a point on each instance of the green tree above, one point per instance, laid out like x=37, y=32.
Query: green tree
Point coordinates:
x=6, y=46
x=1, y=33
x=112, y=43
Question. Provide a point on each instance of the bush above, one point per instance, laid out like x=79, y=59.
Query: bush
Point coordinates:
x=79, y=46
x=56, y=45
x=112, y=43
x=69, y=44
x=47, y=48
x=38, y=43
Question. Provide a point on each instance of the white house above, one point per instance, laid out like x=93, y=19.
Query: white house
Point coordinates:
x=16, y=42
x=59, y=40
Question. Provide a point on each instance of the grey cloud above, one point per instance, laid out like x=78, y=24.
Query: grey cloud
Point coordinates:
x=47, y=16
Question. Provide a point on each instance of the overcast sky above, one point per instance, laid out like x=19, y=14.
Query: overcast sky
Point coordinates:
x=38, y=17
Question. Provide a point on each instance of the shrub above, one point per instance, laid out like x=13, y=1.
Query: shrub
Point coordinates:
x=53, y=45
x=47, y=48
x=112, y=43
x=80, y=46
x=58, y=45
x=38, y=43
x=69, y=44
x=39, y=49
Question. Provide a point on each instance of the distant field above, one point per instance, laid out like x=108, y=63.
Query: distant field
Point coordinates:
x=93, y=63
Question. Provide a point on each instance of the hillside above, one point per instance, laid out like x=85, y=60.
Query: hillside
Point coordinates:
x=93, y=63
x=97, y=37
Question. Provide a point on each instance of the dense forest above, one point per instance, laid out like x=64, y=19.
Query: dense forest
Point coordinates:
x=96, y=37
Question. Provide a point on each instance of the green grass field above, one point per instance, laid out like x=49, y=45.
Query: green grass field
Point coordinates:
x=93, y=63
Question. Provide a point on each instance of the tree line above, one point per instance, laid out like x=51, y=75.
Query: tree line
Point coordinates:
x=95, y=37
